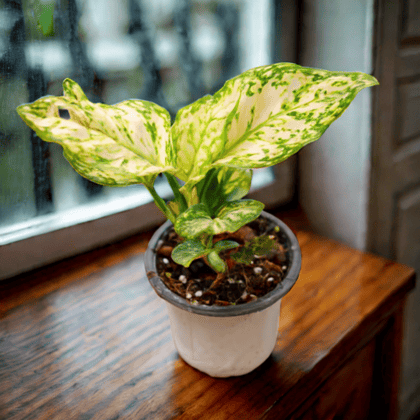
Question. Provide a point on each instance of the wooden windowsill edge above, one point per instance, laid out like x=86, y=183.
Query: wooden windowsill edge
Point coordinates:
x=35, y=284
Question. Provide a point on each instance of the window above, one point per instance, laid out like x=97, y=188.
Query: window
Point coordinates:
x=167, y=51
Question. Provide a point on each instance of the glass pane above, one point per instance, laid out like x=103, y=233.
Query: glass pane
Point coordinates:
x=17, y=201
x=168, y=51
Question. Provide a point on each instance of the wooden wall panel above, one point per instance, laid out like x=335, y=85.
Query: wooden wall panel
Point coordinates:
x=408, y=62
x=408, y=227
x=394, y=213
x=410, y=20
x=406, y=164
x=407, y=111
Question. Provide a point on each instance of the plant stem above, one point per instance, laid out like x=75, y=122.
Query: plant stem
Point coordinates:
x=162, y=205
x=209, y=241
x=180, y=199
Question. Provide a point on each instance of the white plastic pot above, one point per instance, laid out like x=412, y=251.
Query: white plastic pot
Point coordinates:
x=225, y=346
x=225, y=341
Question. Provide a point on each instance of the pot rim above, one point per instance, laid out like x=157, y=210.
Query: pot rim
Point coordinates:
x=257, y=305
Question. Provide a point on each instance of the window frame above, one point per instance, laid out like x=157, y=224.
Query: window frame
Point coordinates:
x=94, y=231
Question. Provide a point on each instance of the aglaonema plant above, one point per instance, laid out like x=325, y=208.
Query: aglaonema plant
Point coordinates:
x=256, y=120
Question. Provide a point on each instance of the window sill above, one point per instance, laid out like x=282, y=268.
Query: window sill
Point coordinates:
x=90, y=338
x=37, y=283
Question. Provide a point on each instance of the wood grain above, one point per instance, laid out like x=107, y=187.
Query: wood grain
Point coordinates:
x=354, y=395
x=35, y=284
x=97, y=345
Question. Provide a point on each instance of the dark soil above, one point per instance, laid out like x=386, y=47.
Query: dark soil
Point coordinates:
x=241, y=283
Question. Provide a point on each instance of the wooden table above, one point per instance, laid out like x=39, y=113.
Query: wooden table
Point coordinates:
x=88, y=338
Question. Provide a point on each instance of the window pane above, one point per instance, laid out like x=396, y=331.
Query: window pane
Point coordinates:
x=17, y=201
x=166, y=51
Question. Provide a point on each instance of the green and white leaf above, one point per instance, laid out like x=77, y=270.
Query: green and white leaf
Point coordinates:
x=216, y=262
x=223, y=245
x=196, y=220
x=234, y=183
x=127, y=143
x=193, y=222
x=235, y=215
x=261, y=117
x=186, y=252
x=221, y=185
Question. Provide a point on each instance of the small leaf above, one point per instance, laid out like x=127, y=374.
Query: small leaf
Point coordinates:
x=193, y=222
x=196, y=220
x=186, y=252
x=243, y=256
x=222, y=185
x=224, y=245
x=236, y=214
x=127, y=143
x=260, y=245
x=216, y=262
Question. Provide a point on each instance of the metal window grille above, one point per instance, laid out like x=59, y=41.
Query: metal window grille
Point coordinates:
x=66, y=16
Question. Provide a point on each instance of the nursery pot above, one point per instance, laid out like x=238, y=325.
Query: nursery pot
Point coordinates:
x=225, y=341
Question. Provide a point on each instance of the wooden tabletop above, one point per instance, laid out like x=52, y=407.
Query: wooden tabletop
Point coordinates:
x=89, y=339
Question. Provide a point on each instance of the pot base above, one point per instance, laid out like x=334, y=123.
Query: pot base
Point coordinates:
x=225, y=346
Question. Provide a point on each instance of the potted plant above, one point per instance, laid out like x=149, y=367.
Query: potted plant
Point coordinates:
x=221, y=263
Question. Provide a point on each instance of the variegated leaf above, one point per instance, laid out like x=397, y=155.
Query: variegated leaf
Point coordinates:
x=193, y=222
x=235, y=215
x=224, y=245
x=221, y=185
x=234, y=183
x=186, y=252
x=216, y=262
x=196, y=220
x=261, y=117
x=127, y=143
